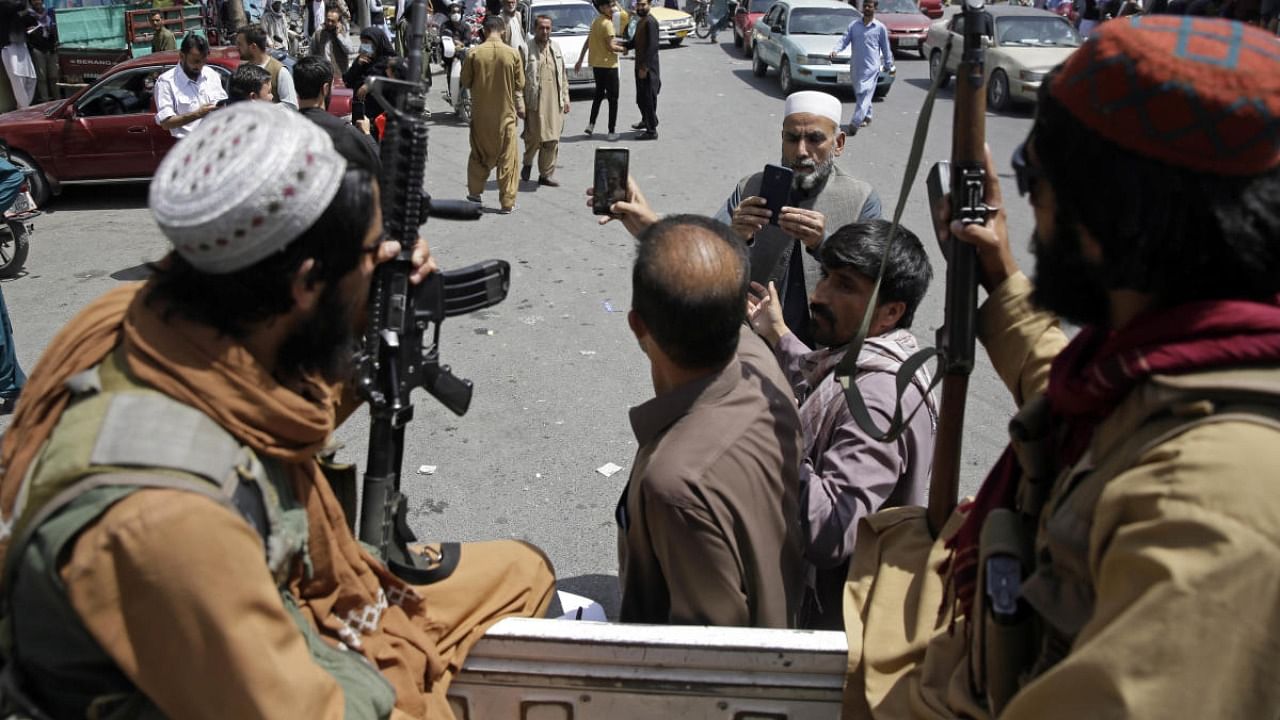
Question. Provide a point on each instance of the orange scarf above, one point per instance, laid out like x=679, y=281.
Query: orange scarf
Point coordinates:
x=196, y=366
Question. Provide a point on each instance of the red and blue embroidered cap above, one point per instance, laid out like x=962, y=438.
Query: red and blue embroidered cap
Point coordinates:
x=1192, y=92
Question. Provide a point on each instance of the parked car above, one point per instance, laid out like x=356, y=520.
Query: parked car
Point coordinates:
x=570, y=25
x=673, y=25
x=744, y=20
x=907, y=25
x=107, y=132
x=1028, y=43
x=796, y=37
x=932, y=8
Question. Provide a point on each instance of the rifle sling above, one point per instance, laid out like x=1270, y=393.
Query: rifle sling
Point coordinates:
x=847, y=369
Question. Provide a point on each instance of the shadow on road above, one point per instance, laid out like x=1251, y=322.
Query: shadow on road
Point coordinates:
x=601, y=588
x=948, y=93
x=124, y=196
x=141, y=271
x=769, y=85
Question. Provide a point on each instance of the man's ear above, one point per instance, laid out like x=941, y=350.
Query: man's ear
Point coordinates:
x=839, y=141
x=887, y=316
x=306, y=288
x=1089, y=247
x=637, y=325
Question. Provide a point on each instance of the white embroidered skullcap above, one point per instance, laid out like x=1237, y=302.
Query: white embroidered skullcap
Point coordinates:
x=243, y=185
x=814, y=103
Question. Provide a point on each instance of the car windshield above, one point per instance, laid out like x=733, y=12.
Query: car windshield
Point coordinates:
x=1036, y=32
x=821, y=21
x=759, y=6
x=897, y=6
x=567, y=19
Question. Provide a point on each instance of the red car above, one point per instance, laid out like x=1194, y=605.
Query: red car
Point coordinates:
x=107, y=132
x=744, y=18
x=908, y=25
x=932, y=8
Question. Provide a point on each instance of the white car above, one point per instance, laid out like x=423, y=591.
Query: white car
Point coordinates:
x=570, y=24
x=1028, y=43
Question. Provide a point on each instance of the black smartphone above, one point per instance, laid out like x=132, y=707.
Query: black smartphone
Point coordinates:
x=775, y=188
x=612, y=167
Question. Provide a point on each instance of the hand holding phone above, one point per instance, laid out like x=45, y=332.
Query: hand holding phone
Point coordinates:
x=612, y=166
x=775, y=188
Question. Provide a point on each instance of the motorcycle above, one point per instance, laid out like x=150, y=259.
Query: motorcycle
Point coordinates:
x=20, y=210
x=458, y=97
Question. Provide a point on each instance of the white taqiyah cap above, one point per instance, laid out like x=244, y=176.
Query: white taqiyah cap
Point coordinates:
x=243, y=185
x=814, y=103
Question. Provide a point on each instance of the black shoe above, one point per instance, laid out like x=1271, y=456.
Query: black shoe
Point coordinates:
x=638, y=126
x=525, y=171
x=646, y=135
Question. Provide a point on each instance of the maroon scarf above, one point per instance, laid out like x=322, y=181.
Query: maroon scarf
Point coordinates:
x=1090, y=378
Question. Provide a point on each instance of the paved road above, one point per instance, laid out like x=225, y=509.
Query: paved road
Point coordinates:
x=555, y=366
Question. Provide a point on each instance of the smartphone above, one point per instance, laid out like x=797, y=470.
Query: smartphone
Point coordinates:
x=775, y=188
x=612, y=168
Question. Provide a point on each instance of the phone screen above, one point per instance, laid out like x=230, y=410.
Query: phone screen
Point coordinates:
x=775, y=188
x=610, y=178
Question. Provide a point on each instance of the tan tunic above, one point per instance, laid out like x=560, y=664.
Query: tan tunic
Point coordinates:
x=709, y=525
x=495, y=76
x=1182, y=558
x=232, y=651
x=546, y=93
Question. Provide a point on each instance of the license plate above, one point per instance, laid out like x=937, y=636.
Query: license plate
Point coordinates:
x=909, y=42
x=842, y=77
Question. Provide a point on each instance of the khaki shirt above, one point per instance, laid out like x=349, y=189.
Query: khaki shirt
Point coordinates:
x=709, y=524
x=1180, y=558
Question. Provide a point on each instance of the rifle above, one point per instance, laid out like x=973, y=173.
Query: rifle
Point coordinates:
x=401, y=344
x=956, y=336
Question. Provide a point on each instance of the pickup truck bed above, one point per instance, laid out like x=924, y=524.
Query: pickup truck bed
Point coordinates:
x=572, y=670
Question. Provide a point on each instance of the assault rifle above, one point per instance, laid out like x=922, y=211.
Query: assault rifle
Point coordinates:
x=968, y=205
x=401, y=348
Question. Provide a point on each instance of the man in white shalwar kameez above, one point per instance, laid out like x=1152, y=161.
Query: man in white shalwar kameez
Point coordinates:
x=871, y=51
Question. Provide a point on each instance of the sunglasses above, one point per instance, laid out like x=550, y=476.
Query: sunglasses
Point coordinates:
x=1026, y=175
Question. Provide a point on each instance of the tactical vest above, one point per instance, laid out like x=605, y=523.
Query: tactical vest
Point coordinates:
x=274, y=67
x=115, y=438
x=1035, y=592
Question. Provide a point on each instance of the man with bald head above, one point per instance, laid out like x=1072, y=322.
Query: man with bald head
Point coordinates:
x=708, y=525
x=823, y=199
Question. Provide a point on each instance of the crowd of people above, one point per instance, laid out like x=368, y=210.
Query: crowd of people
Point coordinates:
x=176, y=430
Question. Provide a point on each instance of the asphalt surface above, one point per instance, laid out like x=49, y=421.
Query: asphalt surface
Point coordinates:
x=555, y=367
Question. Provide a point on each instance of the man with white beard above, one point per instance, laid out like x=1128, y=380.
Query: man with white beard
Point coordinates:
x=823, y=199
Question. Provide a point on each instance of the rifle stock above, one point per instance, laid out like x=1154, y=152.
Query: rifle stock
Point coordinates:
x=956, y=338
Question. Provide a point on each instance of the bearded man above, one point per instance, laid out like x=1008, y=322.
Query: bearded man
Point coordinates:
x=190, y=90
x=1122, y=559
x=174, y=546
x=822, y=199
x=846, y=474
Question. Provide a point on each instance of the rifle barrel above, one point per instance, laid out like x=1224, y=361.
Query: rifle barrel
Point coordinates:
x=957, y=339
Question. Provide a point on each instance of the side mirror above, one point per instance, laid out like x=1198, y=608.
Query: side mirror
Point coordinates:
x=986, y=41
x=69, y=112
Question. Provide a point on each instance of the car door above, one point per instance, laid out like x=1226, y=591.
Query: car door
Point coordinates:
x=777, y=35
x=765, y=42
x=106, y=133
x=955, y=34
